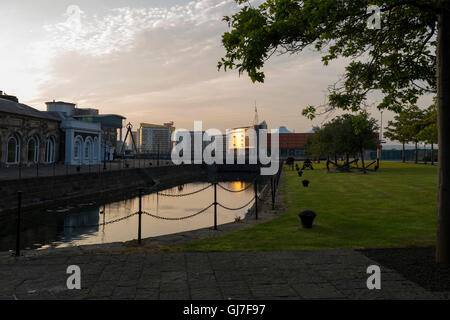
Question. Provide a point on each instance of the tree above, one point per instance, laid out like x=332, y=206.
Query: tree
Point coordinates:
x=347, y=134
x=316, y=144
x=397, y=131
x=321, y=143
x=414, y=125
x=364, y=129
x=408, y=57
x=429, y=133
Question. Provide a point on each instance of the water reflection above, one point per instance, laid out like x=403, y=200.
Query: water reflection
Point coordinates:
x=48, y=229
x=237, y=185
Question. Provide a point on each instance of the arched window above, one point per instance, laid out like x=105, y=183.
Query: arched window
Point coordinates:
x=13, y=150
x=88, y=150
x=95, y=148
x=77, y=149
x=50, y=150
x=33, y=150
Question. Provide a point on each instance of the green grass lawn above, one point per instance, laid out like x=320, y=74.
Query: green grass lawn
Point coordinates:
x=394, y=207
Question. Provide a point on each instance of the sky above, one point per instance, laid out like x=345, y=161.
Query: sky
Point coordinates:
x=151, y=61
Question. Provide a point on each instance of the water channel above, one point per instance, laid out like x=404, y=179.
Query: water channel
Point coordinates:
x=61, y=229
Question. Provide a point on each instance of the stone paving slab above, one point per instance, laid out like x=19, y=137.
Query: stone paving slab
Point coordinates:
x=326, y=274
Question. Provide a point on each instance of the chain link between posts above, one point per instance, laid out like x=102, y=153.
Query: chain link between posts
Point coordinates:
x=184, y=194
x=178, y=218
x=235, y=209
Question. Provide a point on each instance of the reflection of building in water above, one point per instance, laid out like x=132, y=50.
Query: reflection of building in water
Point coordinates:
x=237, y=185
x=74, y=224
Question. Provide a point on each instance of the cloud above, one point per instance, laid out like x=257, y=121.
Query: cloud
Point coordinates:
x=159, y=64
x=118, y=29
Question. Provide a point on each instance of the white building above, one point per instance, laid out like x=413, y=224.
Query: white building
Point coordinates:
x=82, y=140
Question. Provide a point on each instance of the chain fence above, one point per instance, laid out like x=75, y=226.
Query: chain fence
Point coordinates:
x=257, y=197
x=236, y=209
x=178, y=218
x=184, y=194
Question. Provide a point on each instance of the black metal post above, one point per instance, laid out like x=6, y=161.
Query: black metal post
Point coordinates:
x=19, y=208
x=104, y=155
x=272, y=184
x=256, y=199
x=140, y=217
x=215, y=206
x=158, y=154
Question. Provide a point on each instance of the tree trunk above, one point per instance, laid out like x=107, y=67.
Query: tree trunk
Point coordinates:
x=443, y=106
x=416, y=160
x=362, y=160
x=403, y=152
x=432, y=154
x=425, y=154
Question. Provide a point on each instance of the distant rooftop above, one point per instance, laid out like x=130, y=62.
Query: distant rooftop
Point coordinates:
x=98, y=115
x=10, y=104
x=283, y=129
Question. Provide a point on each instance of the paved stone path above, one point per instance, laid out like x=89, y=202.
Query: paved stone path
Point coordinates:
x=329, y=274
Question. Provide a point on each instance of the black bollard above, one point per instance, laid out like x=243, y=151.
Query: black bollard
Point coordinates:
x=307, y=217
x=256, y=199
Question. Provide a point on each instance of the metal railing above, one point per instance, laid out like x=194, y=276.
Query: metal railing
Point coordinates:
x=274, y=182
x=32, y=170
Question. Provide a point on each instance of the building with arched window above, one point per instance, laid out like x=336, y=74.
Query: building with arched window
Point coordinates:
x=81, y=139
x=24, y=133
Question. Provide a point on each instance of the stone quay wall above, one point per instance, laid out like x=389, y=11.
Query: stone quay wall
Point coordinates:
x=49, y=192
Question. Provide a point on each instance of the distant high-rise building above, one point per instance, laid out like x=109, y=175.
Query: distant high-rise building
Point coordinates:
x=238, y=138
x=153, y=138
